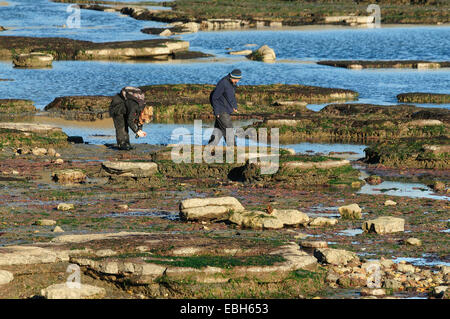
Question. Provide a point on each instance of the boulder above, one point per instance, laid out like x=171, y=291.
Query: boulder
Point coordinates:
x=33, y=60
x=413, y=241
x=5, y=277
x=275, y=220
x=373, y=292
x=65, y=291
x=323, y=221
x=384, y=225
x=130, y=169
x=39, y=151
x=264, y=54
x=352, y=211
x=69, y=176
x=212, y=208
x=335, y=256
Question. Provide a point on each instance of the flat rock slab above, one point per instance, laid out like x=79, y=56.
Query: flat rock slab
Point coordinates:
x=33, y=60
x=212, y=208
x=64, y=291
x=275, y=220
x=45, y=222
x=28, y=127
x=335, y=256
x=323, y=221
x=15, y=106
x=25, y=255
x=321, y=165
x=384, y=225
x=91, y=237
x=5, y=277
x=130, y=169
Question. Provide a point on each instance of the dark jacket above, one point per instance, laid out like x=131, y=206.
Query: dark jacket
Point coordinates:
x=128, y=108
x=222, y=98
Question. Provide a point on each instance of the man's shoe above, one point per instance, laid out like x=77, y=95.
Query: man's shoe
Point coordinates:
x=124, y=147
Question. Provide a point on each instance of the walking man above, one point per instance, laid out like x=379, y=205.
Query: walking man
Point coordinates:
x=223, y=102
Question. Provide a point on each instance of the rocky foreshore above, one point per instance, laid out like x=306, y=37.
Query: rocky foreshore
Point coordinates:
x=381, y=64
x=191, y=101
x=420, y=97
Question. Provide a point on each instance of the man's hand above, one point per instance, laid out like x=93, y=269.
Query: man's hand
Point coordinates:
x=141, y=133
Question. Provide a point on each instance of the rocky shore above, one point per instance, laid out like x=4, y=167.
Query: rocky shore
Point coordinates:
x=191, y=101
x=396, y=64
x=418, y=97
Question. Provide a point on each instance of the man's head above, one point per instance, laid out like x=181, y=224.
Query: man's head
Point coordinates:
x=235, y=76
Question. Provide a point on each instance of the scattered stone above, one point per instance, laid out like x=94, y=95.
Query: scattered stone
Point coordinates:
x=65, y=291
x=352, y=211
x=65, y=207
x=373, y=292
x=45, y=222
x=5, y=277
x=33, y=60
x=130, y=169
x=69, y=176
x=39, y=151
x=213, y=208
x=384, y=225
x=323, y=221
x=59, y=161
x=124, y=207
x=335, y=256
x=51, y=152
x=390, y=203
x=23, y=151
x=374, y=180
x=405, y=268
x=58, y=229
x=264, y=54
x=414, y=241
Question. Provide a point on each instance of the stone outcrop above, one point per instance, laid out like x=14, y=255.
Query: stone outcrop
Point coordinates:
x=264, y=54
x=322, y=165
x=209, y=208
x=352, y=211
x=33, y=60
x=65, y=291
x=26, y=255
x=16, y=106
x=384, y=225
x=275, y=220
x=350, y=20
x=5, y=277
x=30, y=127
x=409, y=64
x=420, y=97
x=130, y=169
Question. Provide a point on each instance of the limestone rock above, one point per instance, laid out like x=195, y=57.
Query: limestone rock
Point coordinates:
x=212, y=208
x=384, y=225
x=45, y=222
x=64, y=291
x=406, y=268
x=335, y=256
x=390, y=203
x=352, y=211
x=190, y=27
x=264, y=54
x=241, y=52
x=33, y=60
x=130, y=169
x=373, y=292
x=5, y=277
x=58, y=229
x=65, y=207
x=413, y=241
x=262, y=220
x=314, y=244
x=439, y=291
x=69, y=176
x=30, y=127
x=323, y=221
x=39, y=151
x=25, y=255
x=322, y=165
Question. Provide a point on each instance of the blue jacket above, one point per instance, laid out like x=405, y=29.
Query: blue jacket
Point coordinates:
x=223, y=98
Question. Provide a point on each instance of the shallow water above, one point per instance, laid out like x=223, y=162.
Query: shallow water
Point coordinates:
x=296, y=50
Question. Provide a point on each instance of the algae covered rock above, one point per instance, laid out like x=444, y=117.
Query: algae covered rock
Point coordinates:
x=33, y=60
x=352, y=211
